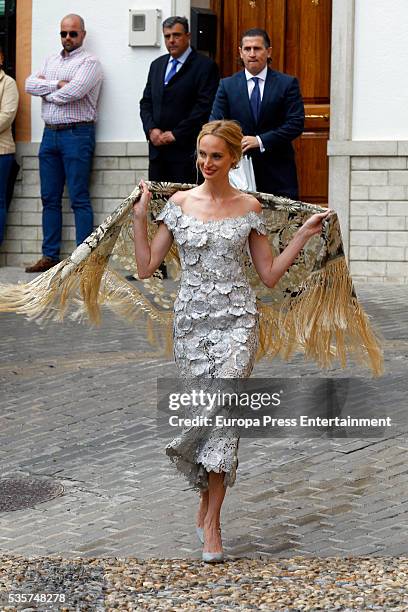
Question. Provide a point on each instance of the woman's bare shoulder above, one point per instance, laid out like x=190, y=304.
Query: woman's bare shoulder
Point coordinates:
x=252, y=203
x=181, y=196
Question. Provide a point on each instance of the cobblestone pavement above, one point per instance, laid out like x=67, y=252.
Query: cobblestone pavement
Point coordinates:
x=78, y=405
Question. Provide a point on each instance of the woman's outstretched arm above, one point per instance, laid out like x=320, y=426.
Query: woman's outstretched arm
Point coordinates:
x=148, y=256
x=270, y=269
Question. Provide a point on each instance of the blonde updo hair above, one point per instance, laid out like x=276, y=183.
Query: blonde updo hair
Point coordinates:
x=229, y=131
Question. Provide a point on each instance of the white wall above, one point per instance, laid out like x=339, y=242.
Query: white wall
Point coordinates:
x=125, y=68
x=380, y=106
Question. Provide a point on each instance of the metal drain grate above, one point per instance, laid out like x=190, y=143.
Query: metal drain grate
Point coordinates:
x=19, y=493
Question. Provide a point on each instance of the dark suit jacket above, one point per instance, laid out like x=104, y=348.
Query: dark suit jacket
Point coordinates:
x=182, y=106
x=280, y=121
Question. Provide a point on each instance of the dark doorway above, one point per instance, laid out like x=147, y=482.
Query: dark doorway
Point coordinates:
x=8, y=34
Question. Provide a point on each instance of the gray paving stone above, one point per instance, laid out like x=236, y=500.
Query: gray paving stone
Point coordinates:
x=78, y=405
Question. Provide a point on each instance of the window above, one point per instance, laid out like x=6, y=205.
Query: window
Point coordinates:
x=8, y=33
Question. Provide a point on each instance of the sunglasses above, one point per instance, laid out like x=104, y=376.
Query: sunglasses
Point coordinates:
x=72, y=34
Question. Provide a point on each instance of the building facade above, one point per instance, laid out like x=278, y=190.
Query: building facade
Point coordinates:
x=368, y=146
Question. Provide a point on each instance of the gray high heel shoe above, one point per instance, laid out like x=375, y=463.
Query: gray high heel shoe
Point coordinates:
x=209, y=557
x=200, y=534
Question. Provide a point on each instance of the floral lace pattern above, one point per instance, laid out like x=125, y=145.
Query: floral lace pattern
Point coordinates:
x=215, y=328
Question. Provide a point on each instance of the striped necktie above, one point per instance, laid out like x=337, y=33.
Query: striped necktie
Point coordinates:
x=172, y=71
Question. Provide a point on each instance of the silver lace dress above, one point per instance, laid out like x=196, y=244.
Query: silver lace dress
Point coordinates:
x=215, y=330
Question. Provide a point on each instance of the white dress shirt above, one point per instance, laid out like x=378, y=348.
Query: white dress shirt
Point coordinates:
x=76, y=101
x=251, y=84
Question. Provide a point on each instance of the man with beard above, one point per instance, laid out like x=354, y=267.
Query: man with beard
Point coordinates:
x=69, y=84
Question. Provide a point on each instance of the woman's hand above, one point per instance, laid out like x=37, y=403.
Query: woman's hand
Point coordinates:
x=271, y=269
x=140, y=207
x=148, y=256
x=314, y=224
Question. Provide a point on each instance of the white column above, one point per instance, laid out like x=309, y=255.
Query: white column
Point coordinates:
x=181, y=8
x=341, y=109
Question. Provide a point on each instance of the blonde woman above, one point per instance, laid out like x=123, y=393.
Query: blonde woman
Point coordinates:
x=8, y=110
x=216, y=319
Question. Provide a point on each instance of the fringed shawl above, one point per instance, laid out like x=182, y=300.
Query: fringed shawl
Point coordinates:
x=313, y=308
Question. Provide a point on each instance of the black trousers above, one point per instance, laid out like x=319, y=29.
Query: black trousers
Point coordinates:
x=181, y=170
x=276, y=175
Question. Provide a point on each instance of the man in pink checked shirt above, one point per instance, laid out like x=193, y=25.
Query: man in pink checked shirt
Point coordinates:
x=69, y=84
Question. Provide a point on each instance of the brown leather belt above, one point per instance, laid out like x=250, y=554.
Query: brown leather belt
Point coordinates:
x=67, y=126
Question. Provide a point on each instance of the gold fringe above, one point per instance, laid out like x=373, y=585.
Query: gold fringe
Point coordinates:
x=35, y=299
x=50, y=293
x=128, y=302
x=324, y=320
x=269, y=332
